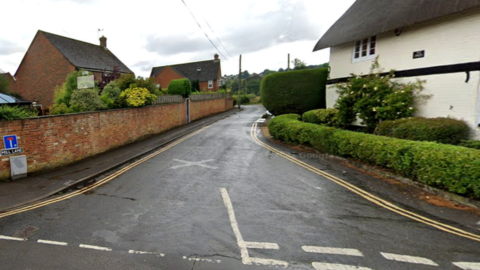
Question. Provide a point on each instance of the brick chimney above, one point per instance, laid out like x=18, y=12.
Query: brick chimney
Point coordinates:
x=103, y=42
x=216, y=58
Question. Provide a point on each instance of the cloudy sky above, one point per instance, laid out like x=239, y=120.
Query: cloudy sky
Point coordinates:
x=148, y=33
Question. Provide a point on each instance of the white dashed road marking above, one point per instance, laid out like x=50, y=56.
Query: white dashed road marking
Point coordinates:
x=408, y=259
x=95, y=247
x=468, y=265
x=131, y=251
x=261, y=245
x=335, y=251
x=334, y=266
x=246, y=259
x=3, y=237
x=51, y=242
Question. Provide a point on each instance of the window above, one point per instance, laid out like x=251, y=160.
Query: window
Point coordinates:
x=364, y=49
x=210, y=84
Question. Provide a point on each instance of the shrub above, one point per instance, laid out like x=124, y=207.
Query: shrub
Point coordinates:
x=447, y=167
x=59, y=109
x=441, y=130
x=294, y=91
x=86, y=100
x=322, y=117
x=470, y=144
x=64, y=92
x=10, y=113
x=110, y=93
x=125, y=81
x=375, y=98
x=137, y=97
x=180, y=87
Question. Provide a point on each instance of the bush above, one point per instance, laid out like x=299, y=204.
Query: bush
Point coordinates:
x=110, y=93
x=441, y=130
x=137, y=97
x=64, y=92
x=375, y=98
x=322, y=117
x=12, y=113
x=86, y=100
x=470, y=144
x=447, y=167
x=294, y=91
x=180, y=87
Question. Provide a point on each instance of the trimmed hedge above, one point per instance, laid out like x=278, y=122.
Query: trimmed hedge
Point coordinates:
x=294, y=91
x=180, y=87
x=322, y=117
x=441, y=130
x=452, y=168
x=470, y=144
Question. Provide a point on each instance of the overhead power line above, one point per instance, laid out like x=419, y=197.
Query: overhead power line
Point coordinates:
x=217, y=37
x=203, y=30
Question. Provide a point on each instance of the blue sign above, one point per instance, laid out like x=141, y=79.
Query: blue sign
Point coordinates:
x=10, y=141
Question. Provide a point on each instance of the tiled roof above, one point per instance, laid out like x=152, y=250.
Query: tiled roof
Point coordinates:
x=367, y=18
x=86, y=55
x=202, y=71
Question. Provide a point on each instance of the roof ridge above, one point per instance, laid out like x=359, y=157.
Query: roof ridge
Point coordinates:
x=189, y=63
x=76, y=40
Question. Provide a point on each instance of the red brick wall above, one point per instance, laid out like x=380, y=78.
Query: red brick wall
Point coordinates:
x=200, y=109
x=54, y=141
x=166, y=76
x=42, y=68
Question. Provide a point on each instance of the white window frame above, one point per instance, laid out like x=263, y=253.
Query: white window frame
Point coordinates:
x=365, y=49
x=210, y=84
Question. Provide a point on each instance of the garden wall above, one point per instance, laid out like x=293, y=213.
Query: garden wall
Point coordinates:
x=53, y=141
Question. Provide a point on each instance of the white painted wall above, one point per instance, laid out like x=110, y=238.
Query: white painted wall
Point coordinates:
x=451, y=40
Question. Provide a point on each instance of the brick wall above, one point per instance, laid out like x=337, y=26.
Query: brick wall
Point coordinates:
x=166, y=76
x=54, y=141
x=200, y=109
x=42, y=68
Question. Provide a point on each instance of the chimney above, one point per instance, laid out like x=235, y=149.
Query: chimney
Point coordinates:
x=103, y=42
x=216, y=58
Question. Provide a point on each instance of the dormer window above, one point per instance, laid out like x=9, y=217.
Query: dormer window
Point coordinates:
x=199, y=69
x=364, y=49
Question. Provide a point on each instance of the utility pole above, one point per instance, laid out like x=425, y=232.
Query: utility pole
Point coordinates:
x=288, y=64
x=239, y=80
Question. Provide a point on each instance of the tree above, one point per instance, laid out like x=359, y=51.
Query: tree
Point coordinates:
x=245, y=74
x=4, y=83
x=298, y=64
x=253, y=86
x=267, y=71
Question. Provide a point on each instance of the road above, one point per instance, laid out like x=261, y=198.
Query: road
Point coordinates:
x=222, y=199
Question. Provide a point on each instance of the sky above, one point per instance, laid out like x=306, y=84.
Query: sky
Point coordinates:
x=149, y=33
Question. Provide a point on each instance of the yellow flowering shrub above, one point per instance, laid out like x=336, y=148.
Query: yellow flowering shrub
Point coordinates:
x=137, y=97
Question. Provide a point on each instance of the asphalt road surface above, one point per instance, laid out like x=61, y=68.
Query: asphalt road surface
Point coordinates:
x=221, y=199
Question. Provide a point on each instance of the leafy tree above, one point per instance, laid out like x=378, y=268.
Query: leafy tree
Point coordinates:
x=281, y=70
x=4, y=84
x=64, y=92
x=245, y=74
x=253, y=86
x=125, y=81
x=180, y=87
x=267, y=72
x=195, y=86
x=110, y=93
x=299, y=64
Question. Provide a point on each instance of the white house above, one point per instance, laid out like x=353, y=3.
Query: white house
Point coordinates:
x=433, y=40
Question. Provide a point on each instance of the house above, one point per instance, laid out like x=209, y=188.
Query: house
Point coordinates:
x=50, y=58
x=208, y=73
x=432, y=40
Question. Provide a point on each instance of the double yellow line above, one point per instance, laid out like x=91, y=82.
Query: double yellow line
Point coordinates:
x=368, y=196
x=100, y=182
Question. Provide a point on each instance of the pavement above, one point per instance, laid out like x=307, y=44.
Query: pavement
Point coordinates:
x=39, y=186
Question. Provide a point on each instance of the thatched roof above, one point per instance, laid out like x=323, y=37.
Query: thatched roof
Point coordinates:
x=367, y=18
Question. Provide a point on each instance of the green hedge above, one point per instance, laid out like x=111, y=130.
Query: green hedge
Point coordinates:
x=180, y=87
x=470, y=144
x=452, y=168
x=322, y=117
x=441, y=130
x=294, y=91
